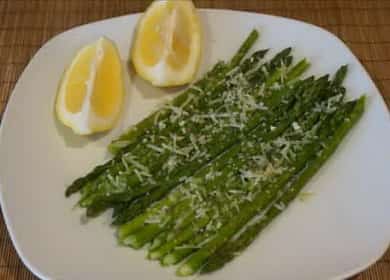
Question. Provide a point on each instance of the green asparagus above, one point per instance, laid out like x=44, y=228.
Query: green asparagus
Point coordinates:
x=253, y=208
x=154, y=154
x=200, y=178
x=139, y=205
x=210, y=80
x=232, y=249
x=160, y=252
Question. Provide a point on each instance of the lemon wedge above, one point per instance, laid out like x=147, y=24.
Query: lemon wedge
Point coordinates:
x=91, y=93
x=167, y=45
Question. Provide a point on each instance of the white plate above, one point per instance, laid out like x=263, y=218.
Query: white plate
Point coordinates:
x=340, y=230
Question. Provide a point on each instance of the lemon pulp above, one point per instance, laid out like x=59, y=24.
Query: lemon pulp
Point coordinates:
x=167, y=47
x=91, y=93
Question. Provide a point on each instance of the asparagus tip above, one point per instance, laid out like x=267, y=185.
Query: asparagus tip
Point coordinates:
x=132, y=242
x=168, y=260
x=154, y=255
x=121, y=234
x=155, y=244
x=67, y=193
x=185, y=270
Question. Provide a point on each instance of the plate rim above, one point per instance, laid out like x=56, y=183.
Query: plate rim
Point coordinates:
x=8, y=223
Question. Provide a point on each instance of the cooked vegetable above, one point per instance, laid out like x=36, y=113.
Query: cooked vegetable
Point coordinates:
x=201, y=177
x=234, y=247
x=221, y=138
x=253, y=210
x=148, y=126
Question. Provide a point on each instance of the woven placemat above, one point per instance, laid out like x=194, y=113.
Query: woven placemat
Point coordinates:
x=25, y=25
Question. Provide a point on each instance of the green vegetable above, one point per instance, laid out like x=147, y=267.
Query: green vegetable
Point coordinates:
x=215, y=147
x=150, y=155
x=129, y=139
x=240, y=158
x=159, y=252
x=210, y=80
x=199, y=179
x=234, y=247
x=261, y=200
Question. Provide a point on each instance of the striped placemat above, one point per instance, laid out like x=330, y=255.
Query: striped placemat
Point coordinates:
x=25, y=25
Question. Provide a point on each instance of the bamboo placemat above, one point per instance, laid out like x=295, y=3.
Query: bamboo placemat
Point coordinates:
x=25, y=25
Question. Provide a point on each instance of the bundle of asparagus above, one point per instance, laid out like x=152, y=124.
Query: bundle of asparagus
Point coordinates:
x=201, y=177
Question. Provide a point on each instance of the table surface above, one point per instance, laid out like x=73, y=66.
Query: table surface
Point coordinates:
x=25, y=25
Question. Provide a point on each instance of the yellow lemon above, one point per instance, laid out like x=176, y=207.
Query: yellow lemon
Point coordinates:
x=91, y=92
x=167, y=45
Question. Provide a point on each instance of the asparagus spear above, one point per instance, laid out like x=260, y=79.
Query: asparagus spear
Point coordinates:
x=130, y=138
x=143, y=148
x=137, y=223
x=159, y=240
x=150, y=230
x=207, y=82
x=251, y=209
x=221, y=162
x=139, y=199
x=171, y=231
x=232, y=249
x=160, y=252
x=140, y=204
x=180, y=253
x=181, y=237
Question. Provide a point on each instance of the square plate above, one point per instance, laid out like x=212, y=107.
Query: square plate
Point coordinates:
x=339, y=231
